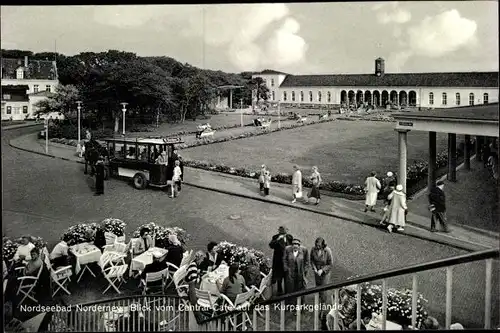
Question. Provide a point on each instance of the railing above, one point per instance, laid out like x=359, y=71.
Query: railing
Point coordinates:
x=230, y=320
x=158, y=313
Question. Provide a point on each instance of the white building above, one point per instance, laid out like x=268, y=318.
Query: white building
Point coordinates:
x=426, y=90
x=25, y=82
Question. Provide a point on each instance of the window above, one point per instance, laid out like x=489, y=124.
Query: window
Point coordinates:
x=293, y=96
x=17, y=110
x=119, y=150
x=431, y=99
x=9, y=109
x=319, y=96
x=310, y=96
x=131, y=152
x=272, y=82
x=25, y=109
x=328, y=97
x=301, y=96
x=274, y=96
x=444, y=99
x=457, y=98
x=284, y=96
x=35, y=88
x=6, y=96
x=471, y=99
x=485, y=98
x=47, y=88
x=20, y=73
x=143, y=152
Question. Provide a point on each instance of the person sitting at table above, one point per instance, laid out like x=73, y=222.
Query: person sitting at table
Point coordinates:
x=24, y=250
x=175, y=250
x=100, y=238
x=192, y=270
x=234, y=284
x=59, y=255
x=211, y=261
x=145, y=241
x=31, y=268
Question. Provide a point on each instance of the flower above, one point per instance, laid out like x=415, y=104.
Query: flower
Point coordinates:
x=80, y=233
x=161, y=234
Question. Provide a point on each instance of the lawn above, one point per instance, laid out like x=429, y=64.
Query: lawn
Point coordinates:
x=343, y=150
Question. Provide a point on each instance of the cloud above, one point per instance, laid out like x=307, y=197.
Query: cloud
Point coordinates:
x=286, y=47
x=391, y=13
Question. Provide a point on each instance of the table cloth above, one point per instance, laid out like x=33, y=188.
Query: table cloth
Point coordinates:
x=140, y=262
x=85, y=253
x=209, y=280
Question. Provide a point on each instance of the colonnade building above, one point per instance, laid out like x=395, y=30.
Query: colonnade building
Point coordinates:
x=422, y=90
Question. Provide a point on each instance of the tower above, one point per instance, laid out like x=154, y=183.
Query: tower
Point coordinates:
x=379, y=67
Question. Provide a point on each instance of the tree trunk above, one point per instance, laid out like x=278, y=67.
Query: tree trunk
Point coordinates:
x=117, y=123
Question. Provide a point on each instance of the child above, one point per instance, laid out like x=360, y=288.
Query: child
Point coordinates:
x=176, y=178
x=267, y=182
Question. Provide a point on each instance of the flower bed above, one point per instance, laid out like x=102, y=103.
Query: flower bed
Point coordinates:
x=80, y=233
x=234, y=254
x=114, y=226
x=10, y=246
x=162, y=233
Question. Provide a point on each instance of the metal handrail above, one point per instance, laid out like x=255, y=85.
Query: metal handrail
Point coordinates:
x=462, y=259
x=110, y=300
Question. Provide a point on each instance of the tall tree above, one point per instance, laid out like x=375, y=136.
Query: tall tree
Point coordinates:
x=63, y=100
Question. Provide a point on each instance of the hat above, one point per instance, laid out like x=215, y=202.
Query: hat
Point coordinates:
x=439, y=183
x=399, y=187
x=263, y=166
x=456, y=326
x=296, y=241
x=390, y=174
x=282, y=230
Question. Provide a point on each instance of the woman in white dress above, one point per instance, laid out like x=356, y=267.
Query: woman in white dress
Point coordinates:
x=398, y=209
x=316, y=182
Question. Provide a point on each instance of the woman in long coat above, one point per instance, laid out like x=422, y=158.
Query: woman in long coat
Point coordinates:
x=99, y=176
x=296, y=183
x=397, y=209
x=278, y=243
x=316, y=182
x=321, y=263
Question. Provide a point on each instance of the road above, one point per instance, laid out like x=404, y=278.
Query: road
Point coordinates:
x=43, y=196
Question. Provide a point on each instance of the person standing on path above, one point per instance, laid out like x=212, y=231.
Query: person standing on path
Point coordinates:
x=437, y=206
x=278, y=243
x=176, y=179
x=296, y=183
x=372, y=187
x=398, y=209
x=321, y=263
x=387, y=202
x=99, y=176
x=316, y=183
x=262, y=177
x=295, y=263
x=267, y=182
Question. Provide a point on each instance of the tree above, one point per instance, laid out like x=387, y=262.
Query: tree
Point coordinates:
x=16, y=53
x=262, y=92
x=63, y=100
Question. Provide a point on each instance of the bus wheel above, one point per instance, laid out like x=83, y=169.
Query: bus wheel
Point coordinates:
x=140, y=181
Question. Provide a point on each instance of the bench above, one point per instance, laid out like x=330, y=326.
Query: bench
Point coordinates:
x=207, y=133
x=302, y=119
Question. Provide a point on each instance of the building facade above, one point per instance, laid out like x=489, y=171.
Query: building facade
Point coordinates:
x=380, y=89
x=25, y=82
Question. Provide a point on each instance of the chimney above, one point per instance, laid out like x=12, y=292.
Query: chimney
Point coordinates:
x=26, y=61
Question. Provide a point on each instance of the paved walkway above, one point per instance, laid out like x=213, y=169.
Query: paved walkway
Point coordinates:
x=418, y=225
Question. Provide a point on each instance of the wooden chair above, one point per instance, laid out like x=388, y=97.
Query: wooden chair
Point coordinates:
x=206, y=300
x=60, y=276
x=187, y=258
x=178, y=278
x=115, y=274
x=171, y=271
x=27, y=285
x=265, y=283
x=241, y=302
x=154, y=277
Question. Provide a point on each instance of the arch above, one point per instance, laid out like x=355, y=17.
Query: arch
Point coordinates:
x=343, y=97
x=359, y=97
x=376, y=98
x=301, y=96
x=403, y=98
x=368, y=97
x=319, y=96
x=351, y=97
x=394, y=97
x=328, y=97
x=385, y=98
x=293, y=96
x=412, y=98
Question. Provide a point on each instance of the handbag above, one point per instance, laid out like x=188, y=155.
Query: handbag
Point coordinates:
x=298, y=194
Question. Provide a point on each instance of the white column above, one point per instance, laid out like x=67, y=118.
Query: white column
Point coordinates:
x=402, y=152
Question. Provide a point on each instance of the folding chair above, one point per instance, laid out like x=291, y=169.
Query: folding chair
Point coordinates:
x=132, y=245
x=206, y=300
x=187, y=258
x=60, y=277
x=265, y=283
x=155, y=277
x=27, y=285
x=111, y=258
x=114, y=274
x=180, y=286
x=171, y=269
x=117, y=247
x=241, y=302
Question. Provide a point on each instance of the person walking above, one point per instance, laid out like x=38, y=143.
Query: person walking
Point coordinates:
x=372, y=187
x=398, y=209
x=267, y=182
x=390, y=178
x=295, y=263
x=278, y=243
x=321, y=263
x=437, y=206
x=387, y=201
x=99, y=176
x=296, y=183
x=176, y=179
x=316, y=183
x=262, y=177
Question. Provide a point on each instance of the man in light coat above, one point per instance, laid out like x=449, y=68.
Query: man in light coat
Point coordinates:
x=296, y=183
x=398, y=209
x=295, y=264
x=372, y=187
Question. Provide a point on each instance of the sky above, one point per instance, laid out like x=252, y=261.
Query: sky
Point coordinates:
x=297, y=38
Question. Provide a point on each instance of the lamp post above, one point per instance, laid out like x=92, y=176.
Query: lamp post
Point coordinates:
x=279, y=114
x=124, y=109
x=46, y=125
x=79, y=145
x=241, y=111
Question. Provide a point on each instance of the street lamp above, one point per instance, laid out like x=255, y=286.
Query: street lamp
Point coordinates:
x=79, y=108
x=124, y=109
x=279, y=114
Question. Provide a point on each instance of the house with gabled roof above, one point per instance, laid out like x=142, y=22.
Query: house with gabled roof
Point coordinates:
x=380, y=89
x=24, y=83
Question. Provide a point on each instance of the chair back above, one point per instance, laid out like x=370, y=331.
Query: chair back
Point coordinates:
x=46, y=258
x=204, y=295
x=115, y=271
x=243, y=297
x=110, y=238
x=187, y=258
x=156, y=276
x=120, y=247
x=107, y=258
x=265, y=282
x=178, y=279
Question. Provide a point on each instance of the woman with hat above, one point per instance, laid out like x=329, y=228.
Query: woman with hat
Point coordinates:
x=316, y=183
x=262, y=177
x=398, y=209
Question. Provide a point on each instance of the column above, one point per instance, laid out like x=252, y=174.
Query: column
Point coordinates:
x=478, y=148
x=231, y=99
x=218, y=100
x=452, y=157
x=431, y=176
x=467, y=152
x=402, y=151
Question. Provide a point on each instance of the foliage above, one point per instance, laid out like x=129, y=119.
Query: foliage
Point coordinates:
x=234, y=254
x=115, y=226
x=63, y=100
x=161, y=234
x=80, y=233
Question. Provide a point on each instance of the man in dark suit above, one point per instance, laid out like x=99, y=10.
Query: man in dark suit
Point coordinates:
x=437, y=206
x=296, y=264
x=278, y=243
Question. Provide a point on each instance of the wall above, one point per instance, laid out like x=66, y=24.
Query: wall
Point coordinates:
x=278, y=79
x=451, y=92
x=32, y=83
x=17, y=110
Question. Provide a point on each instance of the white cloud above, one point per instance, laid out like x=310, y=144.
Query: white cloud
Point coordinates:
x=125, y=16
x=286, y=47
x=391, y=13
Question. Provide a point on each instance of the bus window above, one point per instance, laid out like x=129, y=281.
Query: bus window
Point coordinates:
x=131, y=152
x=143, y=152
x=111, y=148
x=119, y=150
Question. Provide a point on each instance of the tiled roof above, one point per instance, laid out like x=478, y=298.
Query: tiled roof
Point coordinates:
x=37, y=69
x=476, y=112
x=465, y=79
x=270, y=72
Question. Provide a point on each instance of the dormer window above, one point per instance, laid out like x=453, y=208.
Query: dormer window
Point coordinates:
x=20, y=73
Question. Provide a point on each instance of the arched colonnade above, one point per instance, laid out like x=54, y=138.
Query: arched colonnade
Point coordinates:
x=379, y=98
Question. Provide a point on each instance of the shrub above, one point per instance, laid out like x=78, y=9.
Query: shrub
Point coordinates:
x=234, y=254
x=80, y=233
x=115, y=226
x=162, y=233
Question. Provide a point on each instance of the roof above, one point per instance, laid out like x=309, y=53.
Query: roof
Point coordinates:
x=270, y=72
x=37, y=69
x=154, y=141
x=483, y=112
x=463, y=79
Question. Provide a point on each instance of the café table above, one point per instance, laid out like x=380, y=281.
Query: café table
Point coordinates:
x=376, y=325
x=209, y=280
x=140, y=262
x=85, y=254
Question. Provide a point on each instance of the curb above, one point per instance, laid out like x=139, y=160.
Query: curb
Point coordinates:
x=470, y=248
x=13, y=127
